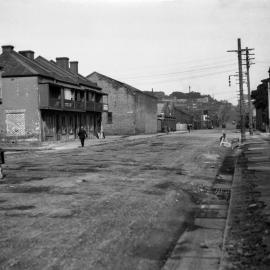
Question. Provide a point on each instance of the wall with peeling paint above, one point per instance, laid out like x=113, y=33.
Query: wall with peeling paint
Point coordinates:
x=20, y=94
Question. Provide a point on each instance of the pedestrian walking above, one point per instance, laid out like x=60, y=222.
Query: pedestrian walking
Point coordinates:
x=188, y=128
x=82, y=135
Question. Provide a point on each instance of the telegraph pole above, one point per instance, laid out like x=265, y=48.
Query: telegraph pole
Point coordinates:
x=242, y=119
x=268, y=92
x=249, y=98
x=241, y=92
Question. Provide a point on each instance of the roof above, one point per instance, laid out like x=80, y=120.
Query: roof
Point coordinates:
x=117, y=83
x=58, y=72
x=65, y=75
x=16, y=65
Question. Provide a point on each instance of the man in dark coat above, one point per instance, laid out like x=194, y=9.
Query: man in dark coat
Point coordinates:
x=82, y=135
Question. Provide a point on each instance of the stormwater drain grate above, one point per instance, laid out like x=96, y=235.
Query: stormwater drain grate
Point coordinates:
x=222, y=191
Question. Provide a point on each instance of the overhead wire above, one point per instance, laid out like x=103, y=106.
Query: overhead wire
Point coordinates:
x=200, y=69
x=170, y=66
x=189, y=77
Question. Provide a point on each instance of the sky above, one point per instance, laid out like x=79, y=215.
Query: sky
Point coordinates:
x=164, y=45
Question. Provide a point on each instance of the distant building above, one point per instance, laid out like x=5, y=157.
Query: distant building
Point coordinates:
x=173, y=117
x=45, y=100
x=166, y=117
x=1, y=70
x=182, y=117
x=130, y=111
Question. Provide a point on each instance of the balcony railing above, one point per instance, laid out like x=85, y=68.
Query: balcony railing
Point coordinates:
x=55, y=103
x=90, y=106
x=69, y=104
x=79, y=105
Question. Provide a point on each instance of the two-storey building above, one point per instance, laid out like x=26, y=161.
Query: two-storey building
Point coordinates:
x=46, y=100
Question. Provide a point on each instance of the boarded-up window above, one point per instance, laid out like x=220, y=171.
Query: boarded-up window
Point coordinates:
x=15, y=123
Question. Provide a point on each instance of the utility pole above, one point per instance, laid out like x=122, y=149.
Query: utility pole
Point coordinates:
x=241, y=91
x=242, y=119
x=249, y=98
x=269, y=102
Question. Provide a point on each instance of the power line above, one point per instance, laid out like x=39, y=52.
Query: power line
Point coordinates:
x=155, y=66
x=161, y=67
x=181, y=72
x=191, y=77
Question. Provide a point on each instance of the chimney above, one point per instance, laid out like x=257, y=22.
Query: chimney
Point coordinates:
x=74, y=66
x=29, y=54
x=7, y=48
x=62, y=62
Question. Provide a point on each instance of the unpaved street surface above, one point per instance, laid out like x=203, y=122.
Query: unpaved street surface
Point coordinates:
x=122, y=205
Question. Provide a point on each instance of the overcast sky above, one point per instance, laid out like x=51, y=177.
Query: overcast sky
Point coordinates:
x=167, y=45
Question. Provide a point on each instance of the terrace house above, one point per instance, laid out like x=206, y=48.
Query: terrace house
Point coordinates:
x=46, y=100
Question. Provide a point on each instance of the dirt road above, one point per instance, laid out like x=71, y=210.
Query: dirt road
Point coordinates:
x=119, y=206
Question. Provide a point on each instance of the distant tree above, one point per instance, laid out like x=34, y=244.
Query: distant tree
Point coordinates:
x=224, y=112
x=158, y=94
x=191, y=95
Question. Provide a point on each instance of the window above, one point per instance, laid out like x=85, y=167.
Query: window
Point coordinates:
x=109, y=118
x=15, y=122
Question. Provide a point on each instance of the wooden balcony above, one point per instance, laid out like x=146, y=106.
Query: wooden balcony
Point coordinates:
x=74, y=105
x=55, y=103
x=69, y=104
x=53, y=99
x=90, y=106
x=98, y=107
x=79, y=105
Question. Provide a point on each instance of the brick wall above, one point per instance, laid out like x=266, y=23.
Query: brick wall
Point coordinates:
x=19, y=112
x=121, y=105
x=132, y=113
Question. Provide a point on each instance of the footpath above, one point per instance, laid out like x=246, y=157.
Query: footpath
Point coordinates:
x=232, y=230
x=247, y=234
